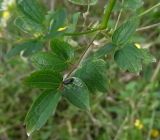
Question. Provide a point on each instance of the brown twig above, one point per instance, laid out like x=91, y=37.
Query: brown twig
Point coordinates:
x=148, y=27
x=156, y=72
x=82, y=58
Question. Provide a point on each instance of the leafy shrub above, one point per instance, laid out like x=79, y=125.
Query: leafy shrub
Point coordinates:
x=59, y=73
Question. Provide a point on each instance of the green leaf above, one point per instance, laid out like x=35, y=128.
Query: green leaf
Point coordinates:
x=73, y=24
x=77, y=93
x=124, y=32
x=62, y=49
x=133, y=4
x=44, y=60
x=43, y=107
x=105, y=50
x=131, y=58
x=28, y=26
x=34, y=47
x=44, y=79
x=93, y=73
x=58, y=20
x=147, y=57
x=31, y=9
x=28, y=47
x=84, y=2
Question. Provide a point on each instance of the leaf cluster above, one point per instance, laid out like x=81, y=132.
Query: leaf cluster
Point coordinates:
x=51, y=67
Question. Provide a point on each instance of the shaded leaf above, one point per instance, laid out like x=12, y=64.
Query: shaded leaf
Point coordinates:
x=133, y=4
x=31, y=9
x=28, y=47
x=44, y=60
x=44, y=79
x=84, y=2
x=93, y=73
x=73, y=24
x=105, y=50
x=57, y=21
x=62, y=49
x=43, y=107
x=124, y=32
x=77, y=93
x=28, y=26
x=131, y=58
x=147, y=57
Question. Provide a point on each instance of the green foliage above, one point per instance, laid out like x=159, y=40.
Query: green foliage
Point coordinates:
x=45, y=79
x=105, y=50
x=84, y=2
x=61, y=72
x=93, y=73
x=131, y=58
x=51, y=61
x=124, y=32
x=43, y=107
x=72, y=26
x=32, y=10
x=133, y=4
x=58, y=20
x=62, y=49
x=27, y=47
x=77, y=93
x=28, y=26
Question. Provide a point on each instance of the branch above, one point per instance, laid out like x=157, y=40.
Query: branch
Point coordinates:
x=107, y=14
x=156, y=72
x=83, y=56
x=82, y=33
x=119, y=16
x=104, y=23
x=103, y=26
x=148, y=27
x=150, y=9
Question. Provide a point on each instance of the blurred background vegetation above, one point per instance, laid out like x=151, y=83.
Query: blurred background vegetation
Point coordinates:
x=130, y=110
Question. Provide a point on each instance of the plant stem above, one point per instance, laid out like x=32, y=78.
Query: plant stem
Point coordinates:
x=156, y=72
x=104, y=23
x=82, y=57
x=151, y=124
x=119, y=16
x=103, y=26
x=52, y=4
x=121, y=128
x=82, y=33
x=107, y=14
x=148, y=27
x=150, y=9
